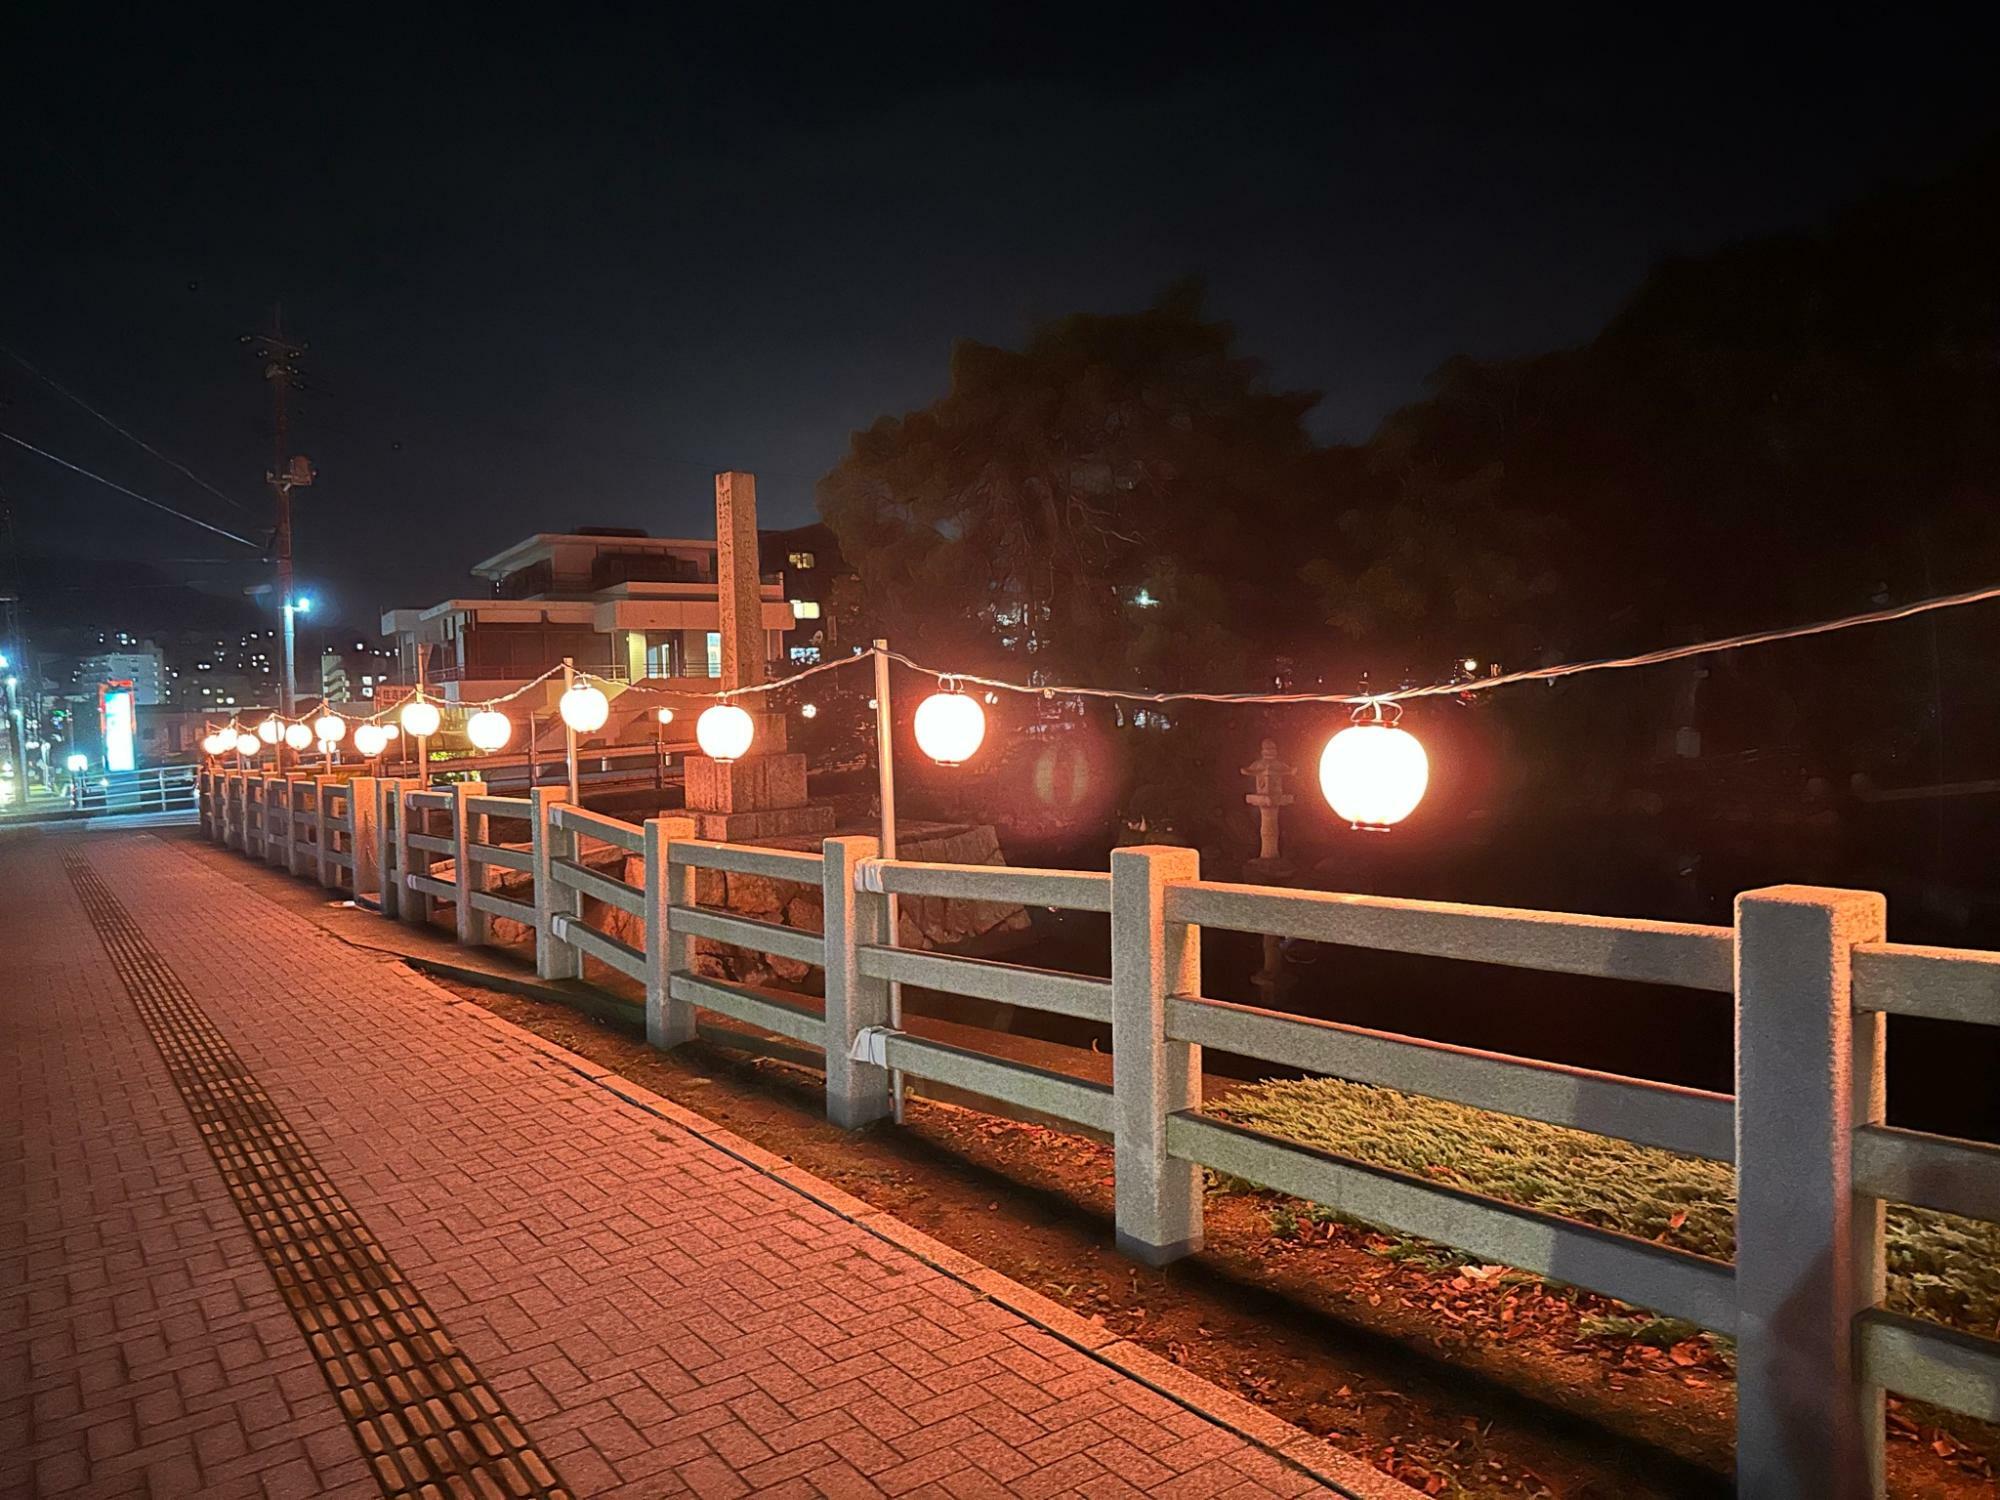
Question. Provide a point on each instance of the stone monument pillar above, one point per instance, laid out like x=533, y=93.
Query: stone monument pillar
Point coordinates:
x=763, y=795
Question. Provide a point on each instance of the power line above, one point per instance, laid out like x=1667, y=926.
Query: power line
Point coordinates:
x=134, y=494
x=70, y=395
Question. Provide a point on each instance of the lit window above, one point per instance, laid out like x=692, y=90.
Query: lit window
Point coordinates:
x=805, y=656
x=715, y=653
x=805, y=609
x=801, y=560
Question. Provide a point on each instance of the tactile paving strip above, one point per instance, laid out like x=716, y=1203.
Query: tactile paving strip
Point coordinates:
x=428, y=1424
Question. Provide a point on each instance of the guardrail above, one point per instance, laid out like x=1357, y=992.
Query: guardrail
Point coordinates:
x=156, y=789
x=1810, y=971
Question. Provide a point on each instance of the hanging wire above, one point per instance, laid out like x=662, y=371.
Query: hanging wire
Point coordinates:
x=1485, y=684
x=134, y=494
x=1400, y=695
x=133, y=437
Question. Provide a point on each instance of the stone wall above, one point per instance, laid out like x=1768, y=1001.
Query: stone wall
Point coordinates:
x=925, y=921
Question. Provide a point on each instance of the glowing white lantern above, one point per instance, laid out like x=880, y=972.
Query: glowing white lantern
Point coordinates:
x=665, y=716
x=420, y=717
x=584, y=708
x=330, y=726
x=298, y=736
x=271, y=730
x=391, y=732
x=950, y=726
x=248, y=744
x=370, y=738
x=489, y=729
x=724, y=732
x=218, y=741
x=1374, y=774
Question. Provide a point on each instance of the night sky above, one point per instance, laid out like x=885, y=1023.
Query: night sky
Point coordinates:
x=558, y=265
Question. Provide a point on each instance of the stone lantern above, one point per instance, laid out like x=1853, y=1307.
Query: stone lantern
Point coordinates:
x=1268, y=780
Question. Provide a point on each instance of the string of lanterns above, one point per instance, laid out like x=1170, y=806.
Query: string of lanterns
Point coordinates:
x=1373, y=773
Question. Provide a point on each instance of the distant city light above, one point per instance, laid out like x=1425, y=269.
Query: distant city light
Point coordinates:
x=78, y=763
x=809, y=710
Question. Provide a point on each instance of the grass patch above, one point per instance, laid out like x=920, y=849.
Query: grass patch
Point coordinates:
x=1940, y=1266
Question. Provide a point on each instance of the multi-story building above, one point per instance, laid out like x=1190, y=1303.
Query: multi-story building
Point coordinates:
x=127, y=659
x=822, y=589
x=619, y=603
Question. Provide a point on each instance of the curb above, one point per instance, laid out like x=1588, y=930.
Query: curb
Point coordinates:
x=1292, y=1446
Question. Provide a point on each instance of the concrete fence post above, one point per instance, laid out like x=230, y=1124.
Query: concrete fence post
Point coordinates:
x=201, y=800
x=413, y=906
x=239, y=811
x=277, y=820
x=669, y=1022
x=1809, y=1070
x=468, y=828
x=1158, y=1198
x=856, y=1092
x=388, y=831
x=554, y=959
x=323, y=790
x=297, y=856
x=361, y=845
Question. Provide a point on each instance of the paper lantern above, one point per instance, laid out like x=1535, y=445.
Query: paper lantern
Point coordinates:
x=370, y=738
x=298, y=736
x=1374, y=774
x=218, y=742
x=271, y=730
x=489, y=729
x=330, y=726
x=248, y=744
x=420, y=717
x=584, y=708
x=950, y=726
x=665, y=715
x=724, y=732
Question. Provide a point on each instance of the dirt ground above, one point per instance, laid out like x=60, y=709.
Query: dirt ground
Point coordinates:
x=1458, y=1379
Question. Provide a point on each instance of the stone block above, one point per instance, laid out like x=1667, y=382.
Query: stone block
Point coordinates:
x=753, y=784
x=750, y=827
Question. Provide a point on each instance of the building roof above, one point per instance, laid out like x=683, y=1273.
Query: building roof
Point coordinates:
x=544, y=543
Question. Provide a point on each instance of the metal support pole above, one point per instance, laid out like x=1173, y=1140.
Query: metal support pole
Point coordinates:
x=885, y=760
x=569, y=734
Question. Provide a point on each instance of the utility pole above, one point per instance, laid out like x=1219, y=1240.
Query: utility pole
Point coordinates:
x=288, y=471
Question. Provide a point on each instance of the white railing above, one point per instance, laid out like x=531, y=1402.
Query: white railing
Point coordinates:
x=1809, y=969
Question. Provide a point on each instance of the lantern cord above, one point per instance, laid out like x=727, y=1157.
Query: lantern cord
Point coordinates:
x=1445, y=689
x=1485, y=684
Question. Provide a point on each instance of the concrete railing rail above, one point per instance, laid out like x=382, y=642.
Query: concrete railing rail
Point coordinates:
x=1810, y=971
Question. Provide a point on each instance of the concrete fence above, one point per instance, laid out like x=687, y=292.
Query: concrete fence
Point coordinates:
x=1810, y=970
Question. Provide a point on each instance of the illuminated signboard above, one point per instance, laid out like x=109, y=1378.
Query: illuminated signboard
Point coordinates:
x=114, y=712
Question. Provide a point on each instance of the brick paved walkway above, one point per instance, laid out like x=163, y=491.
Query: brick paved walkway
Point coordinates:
x=661, y=1316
